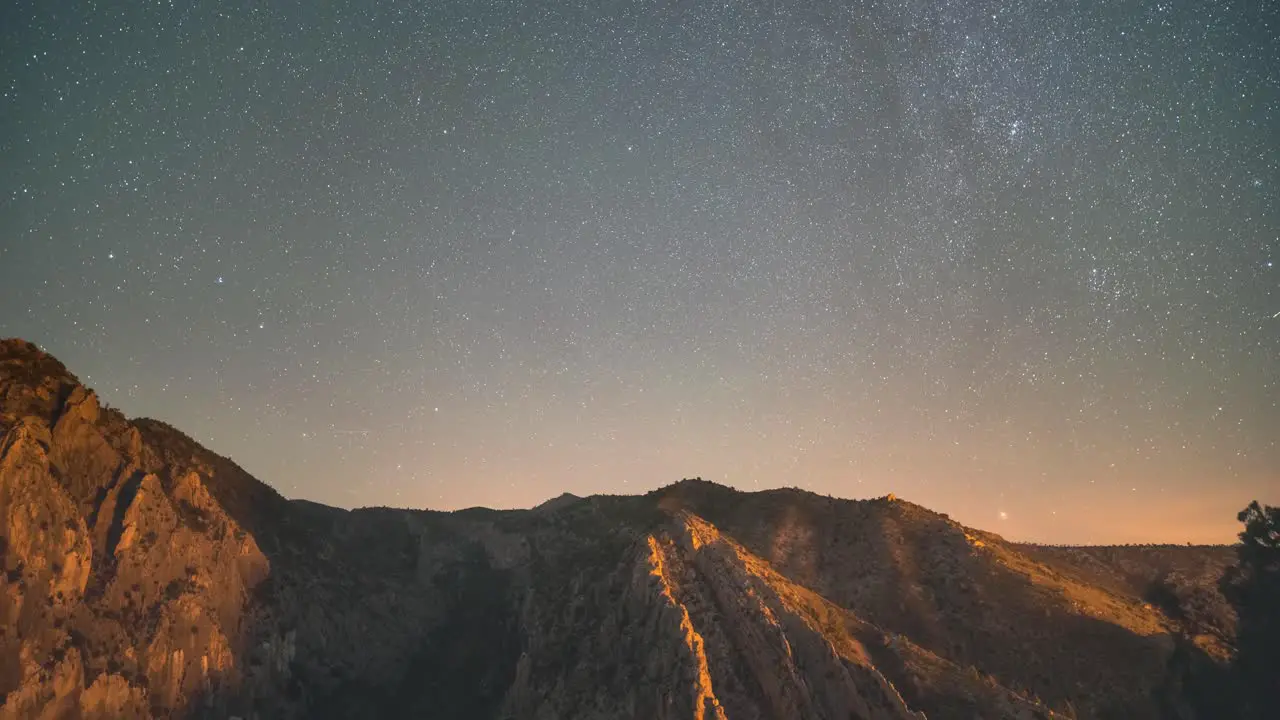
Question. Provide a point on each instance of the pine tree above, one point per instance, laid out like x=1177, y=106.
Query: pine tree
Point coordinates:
x=1253, y=587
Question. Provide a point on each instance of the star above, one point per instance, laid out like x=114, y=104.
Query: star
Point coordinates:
x=593, y=243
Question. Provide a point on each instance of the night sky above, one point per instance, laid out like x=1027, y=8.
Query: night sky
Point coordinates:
x=1017, y=262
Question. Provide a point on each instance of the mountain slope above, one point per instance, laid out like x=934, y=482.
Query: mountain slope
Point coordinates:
x=963, y=594
x=146, y=576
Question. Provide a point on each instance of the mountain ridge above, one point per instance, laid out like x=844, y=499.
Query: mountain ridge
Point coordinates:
x=147, y=576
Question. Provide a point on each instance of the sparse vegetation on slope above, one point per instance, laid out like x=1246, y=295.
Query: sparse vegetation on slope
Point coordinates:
x=145, y=576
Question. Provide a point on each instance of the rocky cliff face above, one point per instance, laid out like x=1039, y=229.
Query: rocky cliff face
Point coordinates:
x=148, y=577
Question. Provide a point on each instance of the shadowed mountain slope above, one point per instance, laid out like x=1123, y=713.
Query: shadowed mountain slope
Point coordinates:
x=146, y=576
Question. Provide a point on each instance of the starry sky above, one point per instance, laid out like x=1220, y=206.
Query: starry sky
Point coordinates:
x=1018, y=262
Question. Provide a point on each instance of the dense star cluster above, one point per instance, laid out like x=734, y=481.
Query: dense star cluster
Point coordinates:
x=1012, y=261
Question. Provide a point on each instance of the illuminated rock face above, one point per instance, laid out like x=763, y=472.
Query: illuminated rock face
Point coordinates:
x=125, y=580
x=145, y=576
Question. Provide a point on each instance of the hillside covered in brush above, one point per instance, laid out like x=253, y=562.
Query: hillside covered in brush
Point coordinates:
x=146, y=576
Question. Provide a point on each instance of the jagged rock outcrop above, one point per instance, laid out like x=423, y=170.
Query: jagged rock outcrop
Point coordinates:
x=125, y=583
x=145, y=576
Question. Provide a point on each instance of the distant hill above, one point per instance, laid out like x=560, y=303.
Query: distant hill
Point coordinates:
x=560, y=501
x=146, y=576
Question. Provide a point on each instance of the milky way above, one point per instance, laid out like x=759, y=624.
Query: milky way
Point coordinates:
x=1015, y=262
